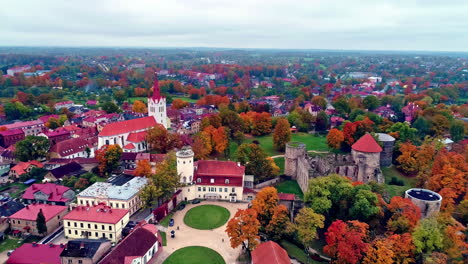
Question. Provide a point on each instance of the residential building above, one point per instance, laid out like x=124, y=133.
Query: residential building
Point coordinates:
x=95, y=222
x=85, y=251
x=25, y=219
x=142, y=245
x=10, y=137
x=33, y=253
x=127, y=133
x=24, y=167
x=72, y=148
x=6, y=210
x=57, y=135
x=270, y=253
x=69, y=169
x=212, y=179
x=125, y=196
x=48, y=193
x=29, y=128
x=157, y=105
x=64, y=104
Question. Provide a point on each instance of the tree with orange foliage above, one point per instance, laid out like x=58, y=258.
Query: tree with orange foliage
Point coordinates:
x=139, y=107
x=405, y=215
x=218, y=138
x=407, y=159
x=278, y=224
x=243, y=228
x=202, y=145
x=320, y=101
x=380, y=252
x=140, y=92
x=346, y=241
x=160, y=140
x=403, y=248
x=335, y=138
x=449, y=177
x=179, y=103
x=143, y=169
x=247, y=119
x=455, y=244
x=261, y=124
x=281, y=134
x=81, y=183
x=108, y=157
x=265, y=203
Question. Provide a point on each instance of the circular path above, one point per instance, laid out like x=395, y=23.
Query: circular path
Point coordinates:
x=187, y=236
x=206, y=217
x=195, y=255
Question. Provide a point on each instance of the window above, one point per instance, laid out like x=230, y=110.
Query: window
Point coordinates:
x=225, y=190
x=80, y=261
x=19, y=222
x=97, y=234
x=233, y=189
x=89, y=226
x=211, y=180
x=220, y=189
x=199, y=180
x=76, y=232
x=110, y=235
x=95, y=226
x=68, y=223
x=199, y=189
x=81, y=225
x=75, y=224
x=69, y=231
x=226, y=181
x=70, y=261
x=110, y=228
x=204, y=189
x=104, y=235
x=103, y=227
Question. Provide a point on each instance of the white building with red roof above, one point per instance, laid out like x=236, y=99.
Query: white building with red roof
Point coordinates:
x=95, y=222
x=210, y=179
x=157, y=105
x=128, y=134
x=72, y=148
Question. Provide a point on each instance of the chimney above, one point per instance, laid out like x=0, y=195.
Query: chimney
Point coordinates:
x=34, y=244
x=238, y=164
x=27, y=206
x=51, y=245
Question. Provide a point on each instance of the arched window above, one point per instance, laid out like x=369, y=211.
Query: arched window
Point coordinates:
x=199, y=180
x=185, y=179
x=226, y=181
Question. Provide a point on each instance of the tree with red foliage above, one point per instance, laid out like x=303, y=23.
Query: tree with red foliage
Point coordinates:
x=346, y=241
x=179, y=103
x=349, y=130
x=403, y=248
x=405, y=215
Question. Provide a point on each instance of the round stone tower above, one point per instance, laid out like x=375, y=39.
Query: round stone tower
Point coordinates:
x=294, y=150
x=387, y=145
x=366, y=155
x=185, y=164
x=428, y=201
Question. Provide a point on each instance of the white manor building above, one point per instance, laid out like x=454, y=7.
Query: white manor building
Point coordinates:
x=212, y=179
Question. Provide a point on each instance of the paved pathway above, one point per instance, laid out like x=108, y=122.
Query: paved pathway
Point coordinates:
x=187, y=236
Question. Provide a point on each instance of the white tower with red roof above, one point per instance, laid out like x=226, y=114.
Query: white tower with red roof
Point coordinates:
x=157, y=104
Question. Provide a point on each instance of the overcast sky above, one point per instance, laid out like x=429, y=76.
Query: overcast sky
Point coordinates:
x=288, y=24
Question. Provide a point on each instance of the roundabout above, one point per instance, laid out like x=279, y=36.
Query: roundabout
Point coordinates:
x=195, y=255
x=206, y=217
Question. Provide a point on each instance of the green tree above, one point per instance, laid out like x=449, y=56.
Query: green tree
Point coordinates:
x=306, y=224
x=231, y=120
x=110, y=107
x=364, y=203
x=41, y=223
x=255, y=161
x=457, y=130
x=428, y=236
x=32, y=148
x=371, y=102
x=17, y=110
x=405, y=132
x=281, y=134
x=166, y=178
x=342, y=106
x=422, y=125
x=120, y=96
x=321, y=123
x=149, y=195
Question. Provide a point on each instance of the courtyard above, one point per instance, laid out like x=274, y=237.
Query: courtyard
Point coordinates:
x=196, y=240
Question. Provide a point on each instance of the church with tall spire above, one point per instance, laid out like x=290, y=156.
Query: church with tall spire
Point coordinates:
x=157, y=104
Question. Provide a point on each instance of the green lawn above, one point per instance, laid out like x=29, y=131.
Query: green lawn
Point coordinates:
x=296, y=252
x=165, y=220
x=195, y=255
x=187, y=99
x=396, y=190
x=280, y=163
x=290, y=186
x=164, y=238
x=206, y=217
x=9, y=244
x=132, y=99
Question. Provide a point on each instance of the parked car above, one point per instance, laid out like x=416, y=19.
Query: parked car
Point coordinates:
x=181, y=206
x=171, y=222
x=196, y=201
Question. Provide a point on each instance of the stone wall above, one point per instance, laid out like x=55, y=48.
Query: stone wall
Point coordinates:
x=294, y=150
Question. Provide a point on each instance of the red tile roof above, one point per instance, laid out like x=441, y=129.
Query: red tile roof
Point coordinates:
x=367, y=144
x=287, y=196
x=127, y=126
x=36, y=254
x=136, y=244
x=137, y=136
x=270, y=253
x=220, y=172
x=98, y=213
x=11, y=132
x=54, y=191
x=70, y=146
x=24, y=124
x=30, y=211
x=129, y=146
x=21, y=167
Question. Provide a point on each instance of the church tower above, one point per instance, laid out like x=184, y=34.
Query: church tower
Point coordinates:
x=157, y=104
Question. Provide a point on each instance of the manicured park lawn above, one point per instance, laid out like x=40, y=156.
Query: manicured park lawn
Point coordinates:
x=297, y=252
x=206, y=217
x=165, y=220
x=195, y=255
x=290, y=186
x=396, y=190
x=280, y=163
x=164, y=238
x=133, y=99
x=9, y=244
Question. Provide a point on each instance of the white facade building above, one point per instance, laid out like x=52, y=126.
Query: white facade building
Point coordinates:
x=157, y=105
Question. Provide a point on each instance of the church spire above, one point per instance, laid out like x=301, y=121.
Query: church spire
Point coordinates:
x=156, y=89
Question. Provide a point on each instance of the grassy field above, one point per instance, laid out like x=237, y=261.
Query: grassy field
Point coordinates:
x=9, y=244
x=312, y=142
x=297, y=253
x=195, y=255
x=206, y=217
x=132, y=99
x=165, y=220
x=164, y=238
x=187, y=99
x=280, y=163
x=290, y=186
x=395, y=190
